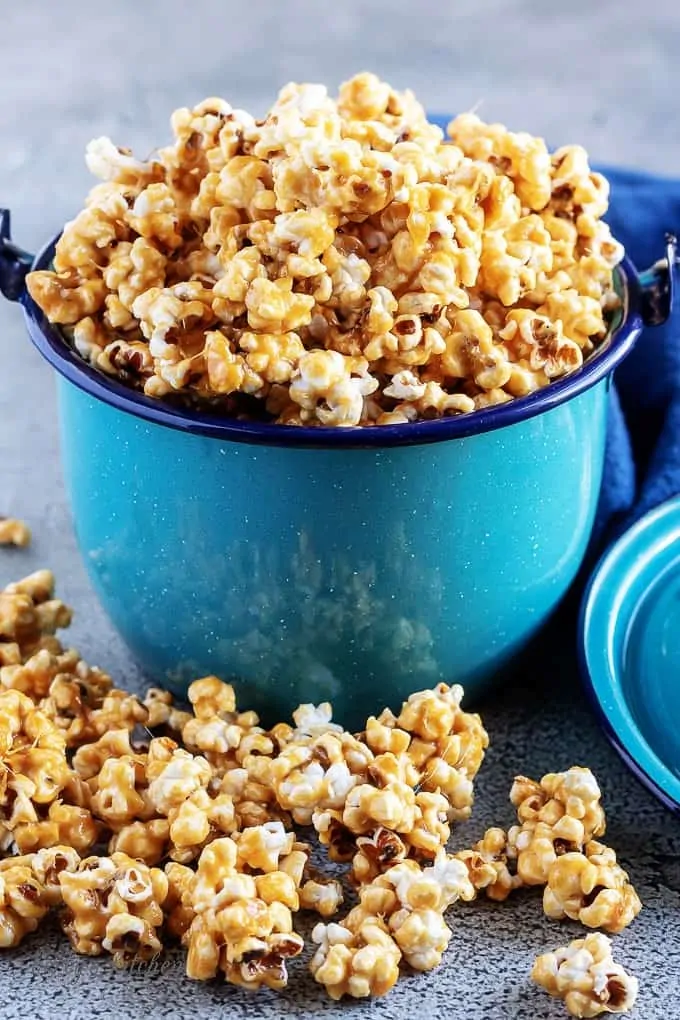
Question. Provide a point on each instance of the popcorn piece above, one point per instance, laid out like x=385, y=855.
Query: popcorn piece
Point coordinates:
x=23, y=901
x=114, y=904
x=585, y=976
x=144, y=841
x=558, y=815
x=316, y=775
x=242, y=924
x=322, y=895
x=48, y=864
x=36, y=782
x=574, y=792
x=65, y=824
x=261, y=847
x=360, y=964
x=535, y=339
x=177, y=906
x=14, y=532
x=446, y=744
x=489, y=866
x=399, y=915
x=217, y=729
x=592, y=888
x=163, y=712
x=29, y=617
x=330, y=388
x=109, y=163
x=173, y=775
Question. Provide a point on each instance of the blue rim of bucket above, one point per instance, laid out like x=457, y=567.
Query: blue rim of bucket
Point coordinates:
x=617, y=735
x=50, y=342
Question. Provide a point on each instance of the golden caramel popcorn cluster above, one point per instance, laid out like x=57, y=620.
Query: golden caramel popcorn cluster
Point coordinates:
x=14, y=532
x=400, y=915
x=338, y=262
x=591, y=887
x=114, y=905
x=554, y=846
x=142, y=822
x=390, y=793
x=560, y=814
x=586, y=977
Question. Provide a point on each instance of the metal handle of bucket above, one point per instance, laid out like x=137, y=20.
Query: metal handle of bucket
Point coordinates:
x=14, y=261
x=658, y=285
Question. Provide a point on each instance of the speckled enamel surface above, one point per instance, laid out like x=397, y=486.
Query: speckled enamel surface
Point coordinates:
x=604, y=74
x=354, y=576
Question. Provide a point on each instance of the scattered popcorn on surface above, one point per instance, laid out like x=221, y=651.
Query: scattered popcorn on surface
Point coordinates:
x=211, y=797
x=322, y=895
x=586, y=977
x=416, y=777
x=337, y=263
x=14, y=532
x=400, y=916
x=42, y=802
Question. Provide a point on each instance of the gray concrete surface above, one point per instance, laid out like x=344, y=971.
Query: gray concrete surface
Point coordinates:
x=605, y=74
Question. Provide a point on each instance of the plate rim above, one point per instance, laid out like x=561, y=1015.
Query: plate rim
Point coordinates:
x=616, y=735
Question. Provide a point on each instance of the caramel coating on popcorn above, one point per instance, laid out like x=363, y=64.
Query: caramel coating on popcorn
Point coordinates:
x=242, y=924
x=359, y=963
x=490, y=867
x=14, y=532
x=558, y=815
x=23, y=902
x=29, y=618
x=114, y=904
x=399, y=916
x=591, y=887
x=337, y=263
x=585, y=976
x=391, y=793
x=41, y=799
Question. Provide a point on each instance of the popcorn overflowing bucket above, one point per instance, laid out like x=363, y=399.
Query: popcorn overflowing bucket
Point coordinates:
x=350, y=564
x=312, y=564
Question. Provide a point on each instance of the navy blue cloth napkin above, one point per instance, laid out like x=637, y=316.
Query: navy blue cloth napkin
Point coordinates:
x=642, y=461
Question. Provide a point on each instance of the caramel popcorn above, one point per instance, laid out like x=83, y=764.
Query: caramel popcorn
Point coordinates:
x=29, y=618
x=359, y=963
x=585, y=976
x=322, y=895
x=316, y=775
x=558, y=815
x=242, y=924
x=490, y=866
x=14, y=532
x=23, y=901
x=216, y=729
x=40, y=795
x=399, y=916
x=336, y=263
x=390, y=793
x=114, y=904
x=83, y=762
x=591, y=887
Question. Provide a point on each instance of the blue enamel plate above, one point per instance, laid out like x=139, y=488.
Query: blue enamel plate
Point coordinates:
x=630, y=648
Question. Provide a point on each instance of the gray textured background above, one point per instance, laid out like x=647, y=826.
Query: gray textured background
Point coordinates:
x=600, y=73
